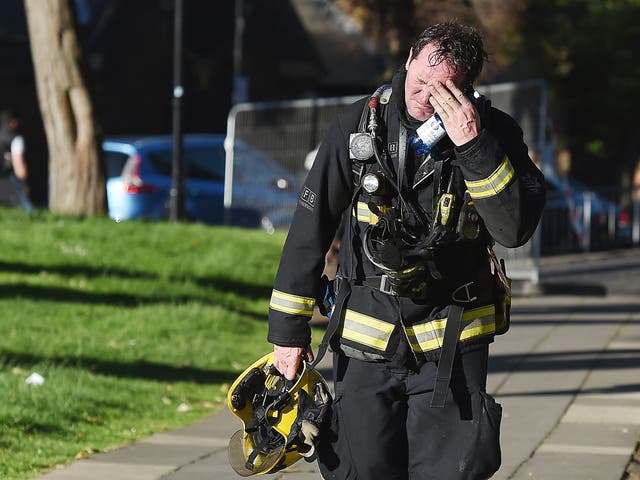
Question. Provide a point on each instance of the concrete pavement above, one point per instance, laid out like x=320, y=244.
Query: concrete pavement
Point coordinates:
x=567, y=376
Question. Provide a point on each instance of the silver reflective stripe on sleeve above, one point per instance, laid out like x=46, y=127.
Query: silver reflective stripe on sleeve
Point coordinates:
x=494, y=183
x=293, y=304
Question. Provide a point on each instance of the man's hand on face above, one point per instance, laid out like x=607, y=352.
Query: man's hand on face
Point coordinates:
x=459, y=115
x=287, y=359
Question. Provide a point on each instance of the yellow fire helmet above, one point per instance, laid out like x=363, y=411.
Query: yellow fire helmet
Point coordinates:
x=281, y=419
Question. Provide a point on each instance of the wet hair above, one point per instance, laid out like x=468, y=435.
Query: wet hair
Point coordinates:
x=459, y=45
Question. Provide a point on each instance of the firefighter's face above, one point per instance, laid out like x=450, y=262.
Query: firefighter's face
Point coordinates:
x=420, y=72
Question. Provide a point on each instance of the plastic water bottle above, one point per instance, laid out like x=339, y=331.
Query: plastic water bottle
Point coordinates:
x=427, y=135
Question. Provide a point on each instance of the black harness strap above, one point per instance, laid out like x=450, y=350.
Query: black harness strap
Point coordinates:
x=447, y=356
x=402, y=157
x=437, y=177
x=344, y=290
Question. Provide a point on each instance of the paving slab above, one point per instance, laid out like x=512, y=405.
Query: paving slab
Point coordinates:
x=596, y=435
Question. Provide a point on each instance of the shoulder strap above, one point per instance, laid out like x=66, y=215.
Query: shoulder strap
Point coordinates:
x=483, y=104
x=382, y=94
x=335, y=317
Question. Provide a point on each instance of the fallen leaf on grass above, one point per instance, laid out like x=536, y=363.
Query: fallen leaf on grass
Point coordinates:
x=84, y=453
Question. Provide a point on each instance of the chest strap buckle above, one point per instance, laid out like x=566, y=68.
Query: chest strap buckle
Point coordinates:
x=382, y=283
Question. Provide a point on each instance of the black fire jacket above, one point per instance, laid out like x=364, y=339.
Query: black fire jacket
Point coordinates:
x=509, y=195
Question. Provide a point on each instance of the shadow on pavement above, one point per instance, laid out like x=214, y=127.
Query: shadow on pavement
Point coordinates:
x=628, y=388
x=563, y=361
x=621, y=307
x=553, y=288
x=590, y=268
x=522, y=288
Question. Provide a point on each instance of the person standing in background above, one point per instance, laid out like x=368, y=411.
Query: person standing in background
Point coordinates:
x=14, y=162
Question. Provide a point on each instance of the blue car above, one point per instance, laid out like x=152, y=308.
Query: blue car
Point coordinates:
x=138, y=171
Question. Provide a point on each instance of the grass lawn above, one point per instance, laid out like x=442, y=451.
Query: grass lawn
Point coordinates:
x=136, y=328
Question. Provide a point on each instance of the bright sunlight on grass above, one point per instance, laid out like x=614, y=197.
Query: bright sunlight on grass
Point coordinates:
x=136, y=328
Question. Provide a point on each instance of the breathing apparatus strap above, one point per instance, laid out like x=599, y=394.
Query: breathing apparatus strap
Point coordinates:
x=396, y=151
x=374, y=110
x=344, y=290
x=437, y=177
x=402, y=156
x=261, y=448
x=447, y=356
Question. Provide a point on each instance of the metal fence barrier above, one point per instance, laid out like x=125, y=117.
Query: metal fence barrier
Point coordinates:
x=526, y=102
x=588, y=219
x=287, y=131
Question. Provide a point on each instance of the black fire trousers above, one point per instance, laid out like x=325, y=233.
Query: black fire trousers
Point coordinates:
x=383, y=428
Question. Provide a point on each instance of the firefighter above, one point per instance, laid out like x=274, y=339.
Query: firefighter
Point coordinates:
x=425, y=175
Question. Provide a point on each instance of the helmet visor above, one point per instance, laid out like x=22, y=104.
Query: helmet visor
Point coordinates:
x=244, y=458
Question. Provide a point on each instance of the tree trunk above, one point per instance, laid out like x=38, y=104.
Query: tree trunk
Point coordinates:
x=76, y=179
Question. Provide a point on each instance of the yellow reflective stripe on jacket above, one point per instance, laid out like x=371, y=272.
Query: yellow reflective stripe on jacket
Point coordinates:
x=366, y=330
x=494, y=183
x=363, y=214
x=428, y=336
x=481, y=321
x=287, y=303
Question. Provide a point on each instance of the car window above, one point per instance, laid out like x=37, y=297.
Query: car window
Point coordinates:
x=205, y=163
x=114, y=162
x=253, y=166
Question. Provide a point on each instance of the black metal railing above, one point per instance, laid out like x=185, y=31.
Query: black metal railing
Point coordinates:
x=585, y=220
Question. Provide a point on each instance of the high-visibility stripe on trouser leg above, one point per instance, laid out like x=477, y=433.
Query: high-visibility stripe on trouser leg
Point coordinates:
x=293, y=304
x=428, y=336
x=494, y=183
x=366, y=330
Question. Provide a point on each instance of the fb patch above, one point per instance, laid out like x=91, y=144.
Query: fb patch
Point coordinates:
x=308, y=198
